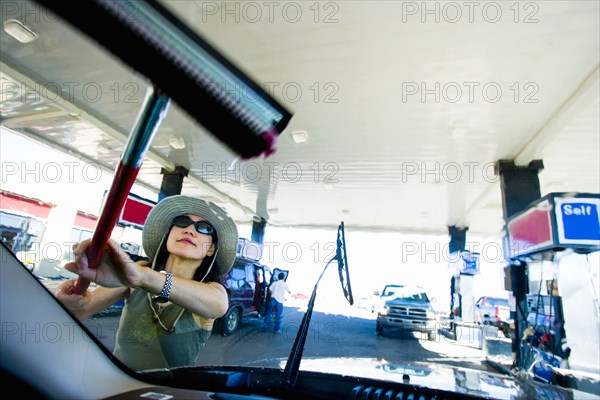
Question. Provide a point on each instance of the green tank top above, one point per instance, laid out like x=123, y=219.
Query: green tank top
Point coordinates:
x=143, y=344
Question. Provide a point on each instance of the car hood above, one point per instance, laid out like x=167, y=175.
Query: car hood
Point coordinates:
x=404, y=302
x=454, y=379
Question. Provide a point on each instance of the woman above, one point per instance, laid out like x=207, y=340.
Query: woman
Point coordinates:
x=172, y=302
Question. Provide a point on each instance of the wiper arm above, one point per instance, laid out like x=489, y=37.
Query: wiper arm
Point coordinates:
x=292, y=366
x=343, y=270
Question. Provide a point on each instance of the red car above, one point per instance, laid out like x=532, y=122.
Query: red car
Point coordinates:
x=246, y=284
x=494, y=311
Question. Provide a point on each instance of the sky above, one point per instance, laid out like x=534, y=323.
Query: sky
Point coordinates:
x=374, y=259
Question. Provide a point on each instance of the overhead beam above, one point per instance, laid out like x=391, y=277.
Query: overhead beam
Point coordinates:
x=77, y=112
x=582, y=97
x=25, y=120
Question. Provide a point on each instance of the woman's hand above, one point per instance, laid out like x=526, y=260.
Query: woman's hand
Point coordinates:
x=115, y=270
x=76, y=303
x=91, y=302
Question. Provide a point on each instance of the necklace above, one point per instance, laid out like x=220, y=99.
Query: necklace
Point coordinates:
x=159, y=311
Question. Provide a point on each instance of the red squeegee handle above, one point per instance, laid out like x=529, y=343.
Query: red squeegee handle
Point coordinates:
x=122, y=183
x=153, y=111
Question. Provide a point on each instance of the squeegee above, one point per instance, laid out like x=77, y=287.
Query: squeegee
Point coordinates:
x=182, y=67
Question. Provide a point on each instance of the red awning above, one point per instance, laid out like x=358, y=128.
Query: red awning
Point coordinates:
x=85, y=221
x=10, y=202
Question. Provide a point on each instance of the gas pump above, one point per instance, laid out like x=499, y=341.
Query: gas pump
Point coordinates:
x=550, y=247
x=464, y=265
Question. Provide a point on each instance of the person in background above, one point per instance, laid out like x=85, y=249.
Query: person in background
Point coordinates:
x=277, y=290
x=259, y=293
x=172, y=301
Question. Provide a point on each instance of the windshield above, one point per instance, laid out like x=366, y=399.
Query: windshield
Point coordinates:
x=403, y=117
x=497, y=302
x=406, y=293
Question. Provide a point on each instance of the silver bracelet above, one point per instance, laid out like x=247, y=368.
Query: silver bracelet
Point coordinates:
x=164, y=295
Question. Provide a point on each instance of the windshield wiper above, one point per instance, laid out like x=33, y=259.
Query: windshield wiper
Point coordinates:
x=292, y=366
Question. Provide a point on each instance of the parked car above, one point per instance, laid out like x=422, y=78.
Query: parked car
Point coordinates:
x=407, y=308
x=247, y=288
x=494, y=311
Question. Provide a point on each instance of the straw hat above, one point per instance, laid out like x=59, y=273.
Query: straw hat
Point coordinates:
x=161, y=217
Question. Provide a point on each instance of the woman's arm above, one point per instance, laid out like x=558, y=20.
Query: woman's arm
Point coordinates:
x=91, y=302
x=117, y=270
x=207, y=300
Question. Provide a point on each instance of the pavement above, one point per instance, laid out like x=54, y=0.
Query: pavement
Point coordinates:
x=490, y=340
x=499, y=357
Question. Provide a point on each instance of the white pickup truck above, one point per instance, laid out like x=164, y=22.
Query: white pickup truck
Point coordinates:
x=406, y=308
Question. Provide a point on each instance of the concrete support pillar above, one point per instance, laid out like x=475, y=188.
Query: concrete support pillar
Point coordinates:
x=172, y=182
x=458, y=239
x=520, y=186
x=258, y=229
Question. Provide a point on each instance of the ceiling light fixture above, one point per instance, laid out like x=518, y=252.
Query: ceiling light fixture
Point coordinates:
x=300, y=137
x=459, y=132
x=176, y=143
x=103, y=148
x=459, y=129
x=19, y=31
x=232, y=165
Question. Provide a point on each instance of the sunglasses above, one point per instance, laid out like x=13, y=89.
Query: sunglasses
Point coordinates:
x=183, y=221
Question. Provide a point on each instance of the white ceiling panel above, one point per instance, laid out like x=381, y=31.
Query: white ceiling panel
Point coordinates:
x=406, y=115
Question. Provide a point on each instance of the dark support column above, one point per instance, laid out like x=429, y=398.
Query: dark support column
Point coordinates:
x=458, y=240
x=258, y=229
x=172, y=182
x=519, y=282
x=520, y=186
